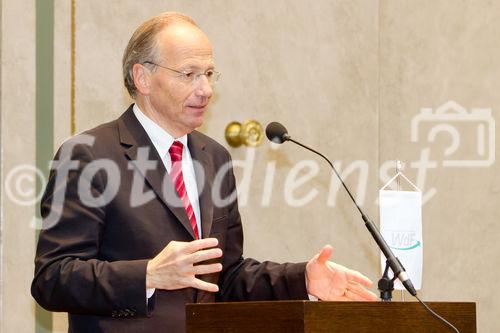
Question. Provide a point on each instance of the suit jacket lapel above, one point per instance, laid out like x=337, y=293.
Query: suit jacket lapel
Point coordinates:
x=133, y=137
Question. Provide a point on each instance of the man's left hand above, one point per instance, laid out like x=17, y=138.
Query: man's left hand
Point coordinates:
x=333, y=282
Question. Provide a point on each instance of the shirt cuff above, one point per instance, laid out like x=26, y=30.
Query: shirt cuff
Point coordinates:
x=150, y=292
x=311, y=297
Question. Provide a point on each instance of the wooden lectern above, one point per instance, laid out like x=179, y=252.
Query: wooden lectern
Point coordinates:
x=332, y=317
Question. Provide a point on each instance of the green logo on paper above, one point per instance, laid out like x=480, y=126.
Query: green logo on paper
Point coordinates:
x=403, y=240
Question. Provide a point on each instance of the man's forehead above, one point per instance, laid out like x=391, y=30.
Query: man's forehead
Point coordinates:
x=185, y=41
x=184, y=35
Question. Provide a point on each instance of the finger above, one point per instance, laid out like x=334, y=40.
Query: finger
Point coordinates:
x=352, y=296
x=203, y=285
x=205, y=255
x=207, y=269
x=358, y=277
x=325, y=254
x=201, y=244
x=365, y=294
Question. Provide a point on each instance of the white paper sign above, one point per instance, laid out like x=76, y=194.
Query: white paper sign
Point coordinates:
x=401, y=226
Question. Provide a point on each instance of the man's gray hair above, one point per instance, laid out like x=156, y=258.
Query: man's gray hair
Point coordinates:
x=143, y=45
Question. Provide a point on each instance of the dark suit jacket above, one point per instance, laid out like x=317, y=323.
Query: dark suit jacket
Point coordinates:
x=92, y=263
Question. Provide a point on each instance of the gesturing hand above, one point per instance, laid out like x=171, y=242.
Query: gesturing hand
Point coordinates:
x=175, y=266
x=333, y=282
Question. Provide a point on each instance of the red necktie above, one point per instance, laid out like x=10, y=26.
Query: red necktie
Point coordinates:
x=178, y=180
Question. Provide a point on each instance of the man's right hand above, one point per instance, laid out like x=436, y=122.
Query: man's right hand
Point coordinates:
x=175, y=267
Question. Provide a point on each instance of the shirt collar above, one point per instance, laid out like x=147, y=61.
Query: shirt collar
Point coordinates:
x=161, y=139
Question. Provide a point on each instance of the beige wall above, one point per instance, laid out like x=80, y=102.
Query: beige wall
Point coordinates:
x=18, y=148
x=346, y=77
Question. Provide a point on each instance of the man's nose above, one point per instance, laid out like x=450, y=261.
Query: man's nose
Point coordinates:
x=203, y=87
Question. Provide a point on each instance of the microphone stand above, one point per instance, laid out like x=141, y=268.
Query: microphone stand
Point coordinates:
x=386, y=285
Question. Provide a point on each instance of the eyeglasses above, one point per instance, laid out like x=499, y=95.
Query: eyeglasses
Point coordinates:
x=192, y=77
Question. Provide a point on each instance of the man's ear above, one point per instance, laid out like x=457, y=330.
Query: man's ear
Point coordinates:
x=141, y=78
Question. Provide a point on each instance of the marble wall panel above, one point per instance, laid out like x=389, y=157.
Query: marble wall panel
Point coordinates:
x=17, y=153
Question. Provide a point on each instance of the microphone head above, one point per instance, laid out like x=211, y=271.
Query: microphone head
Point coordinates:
x=276, y=132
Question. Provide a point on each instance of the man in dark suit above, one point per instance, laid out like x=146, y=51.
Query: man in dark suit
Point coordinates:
x=140, y=214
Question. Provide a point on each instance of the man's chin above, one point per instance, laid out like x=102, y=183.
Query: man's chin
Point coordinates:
x=196, y=123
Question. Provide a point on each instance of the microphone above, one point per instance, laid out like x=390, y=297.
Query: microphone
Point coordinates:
x=277, y=133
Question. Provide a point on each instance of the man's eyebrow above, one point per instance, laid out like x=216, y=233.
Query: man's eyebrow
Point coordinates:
x=198, y=67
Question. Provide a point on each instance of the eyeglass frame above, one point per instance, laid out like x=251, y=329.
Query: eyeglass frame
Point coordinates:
x=185, y=74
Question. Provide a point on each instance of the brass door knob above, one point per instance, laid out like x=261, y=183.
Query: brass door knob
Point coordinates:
x=250, y=133
x=232, y=134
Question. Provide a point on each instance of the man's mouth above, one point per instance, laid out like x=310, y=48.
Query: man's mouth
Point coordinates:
x=198, y=107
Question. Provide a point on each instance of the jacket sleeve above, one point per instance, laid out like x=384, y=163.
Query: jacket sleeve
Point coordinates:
x=69, y=276
x=251, y=280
